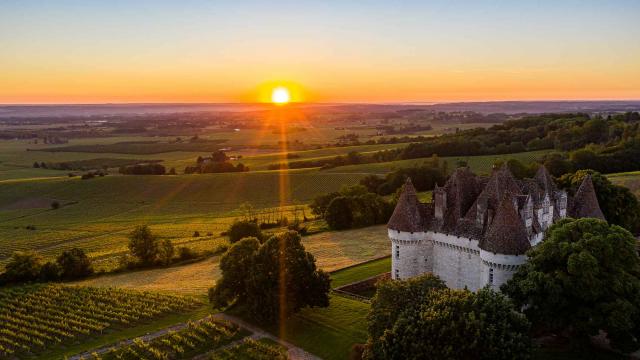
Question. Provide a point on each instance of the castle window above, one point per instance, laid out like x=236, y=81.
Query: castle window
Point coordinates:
x=397, y=274
x=397, y=251
x=490, y=276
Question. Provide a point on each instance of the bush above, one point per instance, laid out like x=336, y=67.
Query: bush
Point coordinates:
x=50, y=271
x=166, y=252
x=185, y=253
x=55, y=205
x=242, y=229
x=74, y=264
x=23, y=266
x=196, y=233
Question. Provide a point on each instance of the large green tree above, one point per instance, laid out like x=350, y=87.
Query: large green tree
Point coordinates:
x=273, y=280
x=236, y=266
x=144, y=245
x=619, y=205
x=452, y=324
x=584, y=278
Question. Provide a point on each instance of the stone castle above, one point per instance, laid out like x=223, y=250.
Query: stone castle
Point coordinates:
x=477, y=229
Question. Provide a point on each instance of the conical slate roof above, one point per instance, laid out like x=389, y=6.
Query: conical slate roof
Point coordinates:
x=545, y=180
x=585, y=202
x=406, y=216
x=506, y=234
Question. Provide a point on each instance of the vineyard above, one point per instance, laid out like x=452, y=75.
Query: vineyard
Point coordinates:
x=34, y=318
x=250, y=349
x=197, y=338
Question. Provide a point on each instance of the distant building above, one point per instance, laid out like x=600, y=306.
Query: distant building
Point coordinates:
x=477, y=229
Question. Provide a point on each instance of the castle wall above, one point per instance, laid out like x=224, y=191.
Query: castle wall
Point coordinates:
x=497, y=269
x=456, y=260
x=411, y=254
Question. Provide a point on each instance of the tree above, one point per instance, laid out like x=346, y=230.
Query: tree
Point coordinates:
x=235, y=265
x=394, y=297
x=166, y=252
x=320, y=203
x=583, y=279
x=23, y=266
x=338, y=214
x=74, y=264
x=284, y=279
x=456, y=324
x=36, y=165
x=273, y=280
x=143, y=244
x=619, y=205
x=242, y=229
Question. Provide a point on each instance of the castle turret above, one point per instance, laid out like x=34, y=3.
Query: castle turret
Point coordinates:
x=504, y=245
x=585, y=203
x=406, y=230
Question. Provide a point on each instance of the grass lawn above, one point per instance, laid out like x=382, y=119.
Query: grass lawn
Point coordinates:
x=360, y=272
x=326, y=332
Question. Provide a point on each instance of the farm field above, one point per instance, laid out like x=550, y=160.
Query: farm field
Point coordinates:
x=98, y=214
x=333, y=250
x=630, y=180
x=39, y=318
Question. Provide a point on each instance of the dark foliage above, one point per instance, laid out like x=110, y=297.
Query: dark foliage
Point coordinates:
x=242, y=229
x=458, y=323
x=74, y=264
x=273, y=280
x=582, y=279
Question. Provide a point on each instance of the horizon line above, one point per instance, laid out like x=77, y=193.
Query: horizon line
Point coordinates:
x=419, y=103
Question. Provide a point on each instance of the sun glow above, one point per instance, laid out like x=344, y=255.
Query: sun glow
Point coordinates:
x=280, y=95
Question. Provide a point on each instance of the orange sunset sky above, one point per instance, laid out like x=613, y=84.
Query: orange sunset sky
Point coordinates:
x=332, y=51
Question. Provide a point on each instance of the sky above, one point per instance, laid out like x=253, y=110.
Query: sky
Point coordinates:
x=326, y=51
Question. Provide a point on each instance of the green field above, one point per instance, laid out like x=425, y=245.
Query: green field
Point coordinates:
x=98, y=214
x=630, y=180
x=360, y=272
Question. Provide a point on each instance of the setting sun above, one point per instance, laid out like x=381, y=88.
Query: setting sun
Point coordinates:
x=280, y=95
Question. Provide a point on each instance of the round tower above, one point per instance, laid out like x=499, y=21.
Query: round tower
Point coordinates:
x=503, y=249
x=410, y=250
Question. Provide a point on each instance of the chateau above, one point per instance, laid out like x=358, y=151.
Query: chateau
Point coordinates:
x=477, y=229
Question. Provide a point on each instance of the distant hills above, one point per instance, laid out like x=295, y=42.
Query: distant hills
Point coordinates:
x=509, y=107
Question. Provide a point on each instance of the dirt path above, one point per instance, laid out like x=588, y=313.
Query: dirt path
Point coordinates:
x=294, y=352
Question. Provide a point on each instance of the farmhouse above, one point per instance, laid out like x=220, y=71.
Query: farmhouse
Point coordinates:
x=477, y=229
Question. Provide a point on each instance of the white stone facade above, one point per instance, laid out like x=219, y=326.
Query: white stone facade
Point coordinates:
x=458, y=261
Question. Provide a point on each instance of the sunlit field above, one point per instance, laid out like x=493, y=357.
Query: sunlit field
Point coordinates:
x=332, y=250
